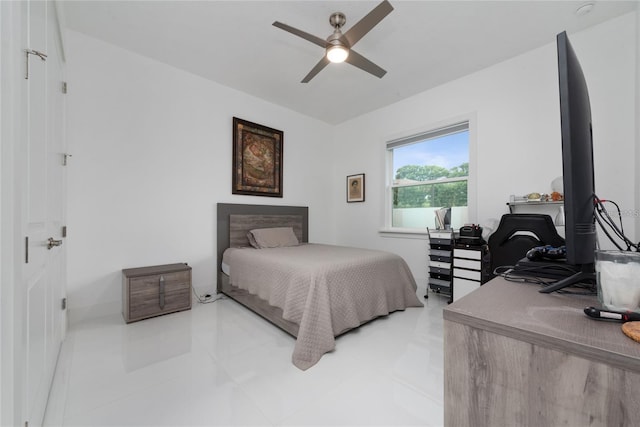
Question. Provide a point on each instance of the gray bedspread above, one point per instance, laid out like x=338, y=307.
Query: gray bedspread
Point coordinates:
x=324, y=289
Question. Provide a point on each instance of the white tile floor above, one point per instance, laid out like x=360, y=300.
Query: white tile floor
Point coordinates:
x=220, y=364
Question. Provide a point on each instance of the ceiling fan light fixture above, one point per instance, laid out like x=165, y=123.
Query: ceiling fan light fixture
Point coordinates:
x=337, y=53
x=338, y=46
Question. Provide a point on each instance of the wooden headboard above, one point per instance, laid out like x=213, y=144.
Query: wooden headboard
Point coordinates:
x=235, y=220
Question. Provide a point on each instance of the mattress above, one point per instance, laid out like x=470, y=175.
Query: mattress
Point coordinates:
x=324, y=289
x=226, y=268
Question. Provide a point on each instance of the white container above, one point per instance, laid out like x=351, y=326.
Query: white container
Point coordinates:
x=618, y=278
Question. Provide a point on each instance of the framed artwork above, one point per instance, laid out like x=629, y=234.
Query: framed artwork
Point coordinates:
x=257, y=159
x=355, y=188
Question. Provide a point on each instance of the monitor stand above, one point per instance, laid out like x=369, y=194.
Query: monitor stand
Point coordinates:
x=585, y=275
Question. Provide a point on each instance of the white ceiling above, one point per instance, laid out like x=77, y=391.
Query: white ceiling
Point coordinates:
x=421, y=44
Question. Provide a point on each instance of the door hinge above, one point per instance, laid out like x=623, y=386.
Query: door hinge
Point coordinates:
x=64, y=87
x=65, y=160
x=64, y=303
x=64, y=231
x=32, y=52
x=26, y=250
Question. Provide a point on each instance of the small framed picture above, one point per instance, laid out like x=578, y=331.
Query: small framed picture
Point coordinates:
x=355, y=188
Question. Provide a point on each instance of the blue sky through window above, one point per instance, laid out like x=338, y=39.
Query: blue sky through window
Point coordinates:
x=446, y=151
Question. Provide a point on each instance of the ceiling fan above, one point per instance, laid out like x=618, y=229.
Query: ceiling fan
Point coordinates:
x=338, y=46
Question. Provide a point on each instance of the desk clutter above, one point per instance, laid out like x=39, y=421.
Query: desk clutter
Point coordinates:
x=459, y=262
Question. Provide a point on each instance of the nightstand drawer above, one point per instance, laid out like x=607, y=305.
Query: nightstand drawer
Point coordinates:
x=467, y=274
x=153, y=291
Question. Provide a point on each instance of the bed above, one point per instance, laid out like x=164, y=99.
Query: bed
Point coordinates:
x=313, y=292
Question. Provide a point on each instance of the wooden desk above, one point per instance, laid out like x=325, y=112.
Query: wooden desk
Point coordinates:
x=516, y=357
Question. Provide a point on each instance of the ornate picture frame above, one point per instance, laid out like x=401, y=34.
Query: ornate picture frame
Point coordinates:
x=257, y=159
x=355, y=188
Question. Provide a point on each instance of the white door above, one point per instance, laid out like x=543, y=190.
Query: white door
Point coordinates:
x=44, y=274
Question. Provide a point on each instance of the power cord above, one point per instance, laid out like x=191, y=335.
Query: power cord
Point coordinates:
x=207, y=298
x=508, y=273
x=604, y=220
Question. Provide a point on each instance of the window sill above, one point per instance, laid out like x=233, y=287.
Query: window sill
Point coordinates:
x=404, y=233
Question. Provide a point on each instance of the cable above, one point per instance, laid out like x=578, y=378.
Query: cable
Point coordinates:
x=600, y=209
x=513, y=276
x=619, y=215
x=604, y=219
x=607, y=233
x=207, y=298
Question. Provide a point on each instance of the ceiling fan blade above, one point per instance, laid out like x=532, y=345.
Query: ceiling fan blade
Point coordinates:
x=319, y=66
x=310, y=37
x=363, y=63
x=365, y=25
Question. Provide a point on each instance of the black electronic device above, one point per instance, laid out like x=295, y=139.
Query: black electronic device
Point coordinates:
x=471, y=235
x=547, y=252
x=616, y=316
x=472, y=230
x=577, y=167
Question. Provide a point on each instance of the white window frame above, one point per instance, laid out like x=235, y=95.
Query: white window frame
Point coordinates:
x=429, y=131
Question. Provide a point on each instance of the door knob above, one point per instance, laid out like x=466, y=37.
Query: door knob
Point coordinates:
x=51, y=242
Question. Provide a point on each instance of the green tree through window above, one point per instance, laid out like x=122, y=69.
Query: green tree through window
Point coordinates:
x=429, y=171
x=433, y=194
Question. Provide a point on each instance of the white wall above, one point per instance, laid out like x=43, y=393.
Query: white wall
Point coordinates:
x=637, y=156
x=152, y=148
x=151, y=152
x=516, y=108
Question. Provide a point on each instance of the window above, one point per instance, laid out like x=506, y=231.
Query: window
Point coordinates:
x=427, y=172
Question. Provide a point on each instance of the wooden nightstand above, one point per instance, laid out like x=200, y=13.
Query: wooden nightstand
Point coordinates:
x=156, y=290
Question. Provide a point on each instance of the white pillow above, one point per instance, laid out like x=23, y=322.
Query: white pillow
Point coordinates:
x=276, y=237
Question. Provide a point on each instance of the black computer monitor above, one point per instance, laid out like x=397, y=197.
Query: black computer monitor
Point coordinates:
x=577, y=168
